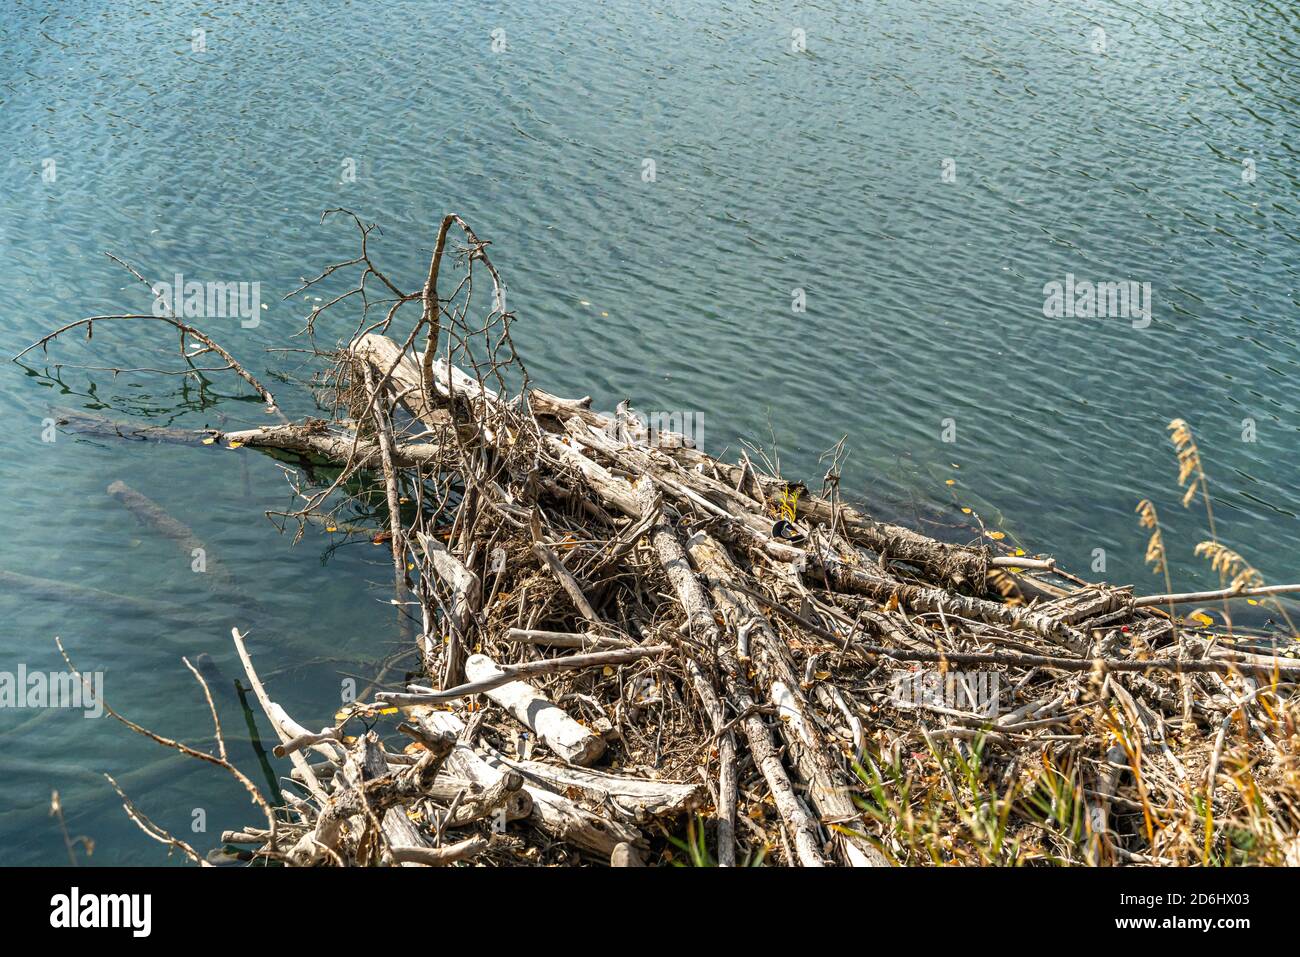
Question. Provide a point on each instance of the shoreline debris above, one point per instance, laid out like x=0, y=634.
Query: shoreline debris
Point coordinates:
x=622, y=640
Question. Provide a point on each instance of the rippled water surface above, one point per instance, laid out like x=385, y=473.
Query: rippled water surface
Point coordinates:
x=776, y=171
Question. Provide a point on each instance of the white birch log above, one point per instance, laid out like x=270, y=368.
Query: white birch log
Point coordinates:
x=530, y=707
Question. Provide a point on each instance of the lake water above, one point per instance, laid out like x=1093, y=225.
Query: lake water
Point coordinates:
x=913, y=177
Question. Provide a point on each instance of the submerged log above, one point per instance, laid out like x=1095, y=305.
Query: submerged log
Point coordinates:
x=150, y=513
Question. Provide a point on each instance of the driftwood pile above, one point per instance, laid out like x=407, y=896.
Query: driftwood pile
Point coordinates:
x=622, y=640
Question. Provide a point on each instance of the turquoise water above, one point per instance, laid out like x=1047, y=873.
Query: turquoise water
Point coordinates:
x=775, y=171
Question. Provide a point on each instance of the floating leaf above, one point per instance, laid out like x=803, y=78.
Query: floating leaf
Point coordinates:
x=210, y=440
x=235, y=445
x=997, y=536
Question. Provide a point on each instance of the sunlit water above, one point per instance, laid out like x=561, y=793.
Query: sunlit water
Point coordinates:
x=1108, y=156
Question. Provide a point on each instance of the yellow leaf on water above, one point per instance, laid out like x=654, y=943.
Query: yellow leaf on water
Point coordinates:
x=1201, y=618
x=1019, y=552
x=209, y=440
x=235, y=445
x=1251, y=601
x=331, y=528
x=950, y=482
x=966, y=511
x=997, y=536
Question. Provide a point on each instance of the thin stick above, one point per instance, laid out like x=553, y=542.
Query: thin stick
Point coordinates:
x=1185, y=598
x=548, y=666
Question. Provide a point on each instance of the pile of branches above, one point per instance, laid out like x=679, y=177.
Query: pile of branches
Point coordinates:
x=631, y=652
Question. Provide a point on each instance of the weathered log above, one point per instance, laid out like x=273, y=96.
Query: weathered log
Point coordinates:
x=826, y=780
x=467, y=849
x=882, y=588
x=466, y=595
x=567, y=582
x=531, y=708
x=556, y=815
x=401, y=370
x=635, y=799
x=954, y=565
x=334, y=445
x=652, y=514
x=799, y=822
x=507, y=794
